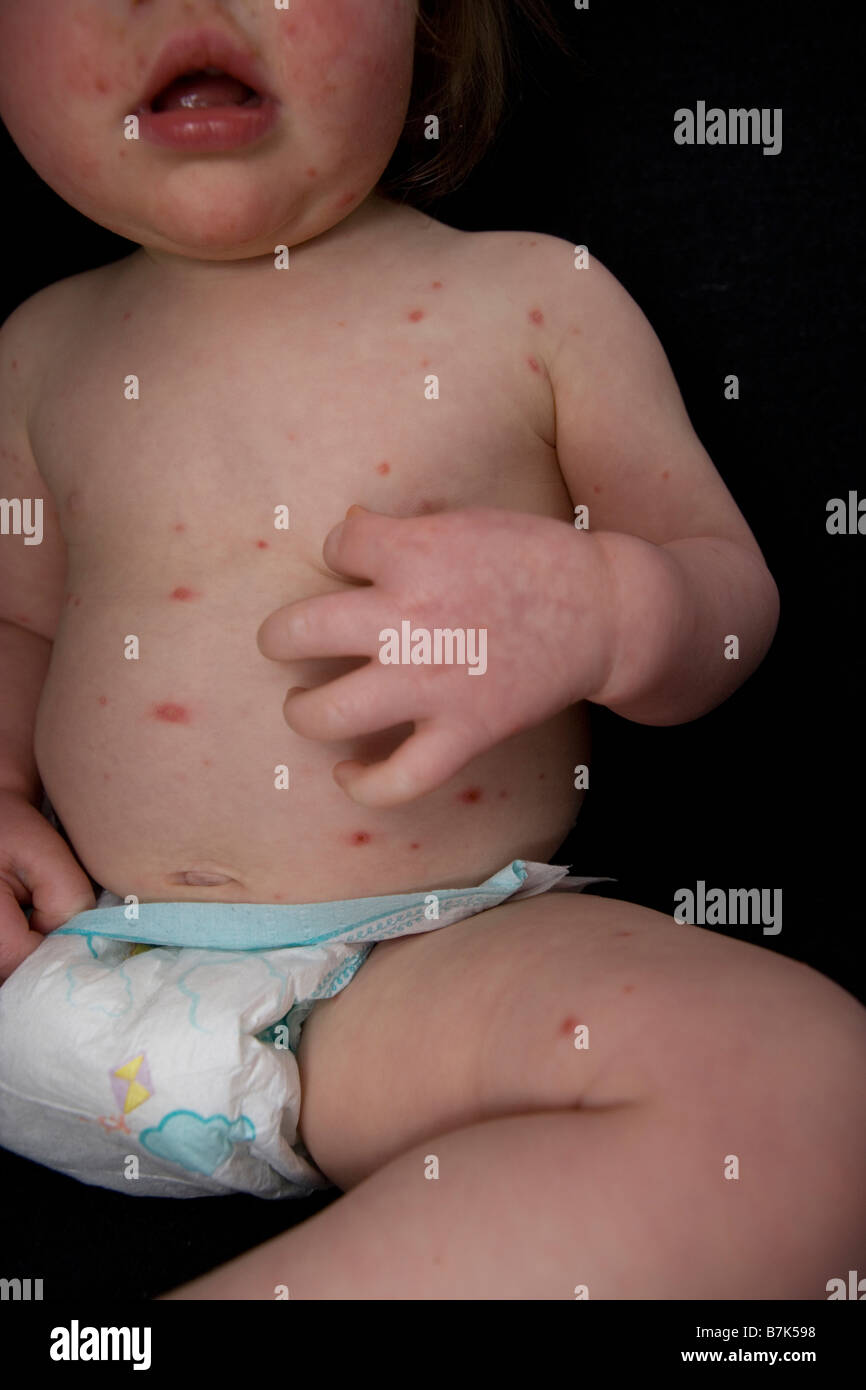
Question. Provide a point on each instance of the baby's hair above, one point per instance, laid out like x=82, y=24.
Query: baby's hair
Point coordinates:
x=465, y=53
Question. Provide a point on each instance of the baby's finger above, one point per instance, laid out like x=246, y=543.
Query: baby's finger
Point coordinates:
x=362, y=702
x=16, y=941
x=59, y=890
x=346, y=624
x=359, y=545
x=427, y=759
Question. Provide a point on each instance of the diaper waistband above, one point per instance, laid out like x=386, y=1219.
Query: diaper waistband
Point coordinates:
x=268, y=926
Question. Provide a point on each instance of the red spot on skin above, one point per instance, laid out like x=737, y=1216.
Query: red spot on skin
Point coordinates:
x=341, y=323
x=425, y=362
x=431, y=504
x=416, y=315
x=345, y=200
x=14, y=364
x=361, y=837
x=106, y=776
x=179, y=527
x=666, y=474
x=205, y=762
x=541, y=776
x=383, y=468
x=414, y=845
x=533, y=243
x=311, y=172
x=533, y=364
x=127, y=316
x=262, y=545
x=568, y=1026
x=278, y=897
x=623, y=933
x=627, y=989
x=470, y=794
x=437, y=285
x=76, y=602
x=171, y=714
x=183, y=594
x=503, y=796
x=596, y=489
x=103, y=699
x=536, y=316
x=290, y=436
x=100, y=85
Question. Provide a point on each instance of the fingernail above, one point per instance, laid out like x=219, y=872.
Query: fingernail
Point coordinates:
x=355, y=508
x=296, y=690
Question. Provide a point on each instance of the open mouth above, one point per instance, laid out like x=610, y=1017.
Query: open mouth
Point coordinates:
x=209, y=87
x=206, y=94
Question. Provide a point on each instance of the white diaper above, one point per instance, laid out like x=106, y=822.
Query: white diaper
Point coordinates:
x=169, y=1070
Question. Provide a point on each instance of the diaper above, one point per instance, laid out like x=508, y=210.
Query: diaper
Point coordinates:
x=156, y=1056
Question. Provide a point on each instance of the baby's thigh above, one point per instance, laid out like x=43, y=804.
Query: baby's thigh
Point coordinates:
x=558, y=1002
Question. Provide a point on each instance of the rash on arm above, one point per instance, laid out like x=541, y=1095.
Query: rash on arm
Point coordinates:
x=688, y=573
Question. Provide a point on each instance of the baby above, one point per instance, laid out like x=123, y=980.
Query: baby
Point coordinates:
x=306, y=425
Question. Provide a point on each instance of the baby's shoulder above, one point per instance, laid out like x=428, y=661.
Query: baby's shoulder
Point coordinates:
x=49, y=321
x=562, y=276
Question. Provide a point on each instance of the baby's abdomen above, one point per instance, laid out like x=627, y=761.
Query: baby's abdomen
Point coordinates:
x=176, y=777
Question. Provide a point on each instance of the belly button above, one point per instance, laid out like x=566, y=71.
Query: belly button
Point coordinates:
x=194, y=879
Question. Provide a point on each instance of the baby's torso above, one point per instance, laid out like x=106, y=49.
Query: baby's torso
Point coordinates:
x=380, y=373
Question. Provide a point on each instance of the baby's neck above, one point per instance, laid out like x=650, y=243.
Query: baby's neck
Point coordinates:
x=242, y=268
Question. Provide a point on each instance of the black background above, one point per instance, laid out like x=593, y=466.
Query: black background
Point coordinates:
x=745, y=264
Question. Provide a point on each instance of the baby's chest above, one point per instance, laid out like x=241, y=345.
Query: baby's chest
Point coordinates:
x=241, y=435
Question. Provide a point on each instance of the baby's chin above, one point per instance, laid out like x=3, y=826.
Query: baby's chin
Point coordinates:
x=214, y=226
x=214, y=242
x=203, y=222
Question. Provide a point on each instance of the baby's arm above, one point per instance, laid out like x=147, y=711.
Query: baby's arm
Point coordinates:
x=687, y=569
x=641, y=613
x=36, y=865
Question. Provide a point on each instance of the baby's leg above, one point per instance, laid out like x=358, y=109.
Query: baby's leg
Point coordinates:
x=611, y=1167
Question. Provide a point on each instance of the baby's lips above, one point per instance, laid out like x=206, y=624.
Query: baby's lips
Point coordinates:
x=194, y=51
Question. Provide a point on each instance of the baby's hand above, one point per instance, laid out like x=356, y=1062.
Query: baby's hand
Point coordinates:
x=36, y=866
x=532, y=596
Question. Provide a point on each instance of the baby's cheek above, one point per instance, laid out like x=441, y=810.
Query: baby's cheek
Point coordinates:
x=349, y=52
x=49, y=52
x=55, y=61
x=93, y=53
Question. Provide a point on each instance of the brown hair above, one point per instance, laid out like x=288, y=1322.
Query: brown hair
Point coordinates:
x=465, y=54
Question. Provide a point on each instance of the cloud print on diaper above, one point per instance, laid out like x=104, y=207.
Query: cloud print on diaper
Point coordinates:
x=197, y=1144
